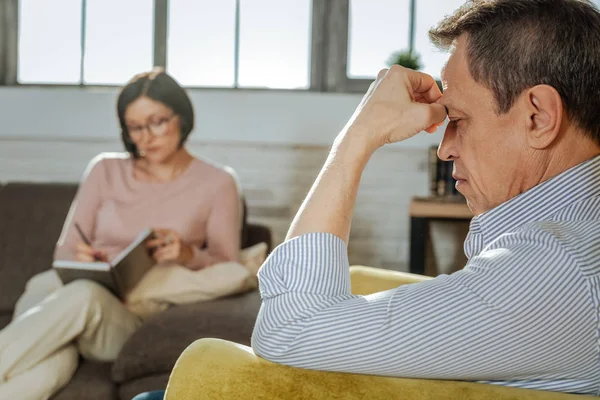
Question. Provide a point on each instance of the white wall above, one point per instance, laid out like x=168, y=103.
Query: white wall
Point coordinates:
x=247, y=116
x=275, y=140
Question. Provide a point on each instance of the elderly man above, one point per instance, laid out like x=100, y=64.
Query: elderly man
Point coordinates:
x=521, y=93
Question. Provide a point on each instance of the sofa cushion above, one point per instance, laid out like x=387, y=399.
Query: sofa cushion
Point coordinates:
x=91, y=382
x=155, y=347
x=31, y=216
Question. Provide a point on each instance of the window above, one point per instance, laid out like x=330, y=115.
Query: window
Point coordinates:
x=432, y=60
x=118, y=40
x=49, y=41
x=271, y=49
x=374, y=35
x=227, y=43
x=318, y=44
x=274, y=43
x=201, y=42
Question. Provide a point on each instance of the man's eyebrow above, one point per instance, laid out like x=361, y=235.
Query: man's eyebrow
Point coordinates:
x=451, y=107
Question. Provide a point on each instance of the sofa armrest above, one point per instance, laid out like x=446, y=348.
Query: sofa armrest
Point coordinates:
x=368, y=280
x=216, y=369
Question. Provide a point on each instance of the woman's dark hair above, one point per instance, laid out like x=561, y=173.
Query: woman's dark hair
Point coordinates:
x=159, y=86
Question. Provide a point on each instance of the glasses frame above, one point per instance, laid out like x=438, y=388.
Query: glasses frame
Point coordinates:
x=155, y=129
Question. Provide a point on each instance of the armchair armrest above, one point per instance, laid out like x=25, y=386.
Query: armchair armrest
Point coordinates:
x=216, y=369
x=368, y=280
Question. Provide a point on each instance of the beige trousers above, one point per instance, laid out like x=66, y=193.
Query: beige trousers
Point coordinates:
x=52, y=325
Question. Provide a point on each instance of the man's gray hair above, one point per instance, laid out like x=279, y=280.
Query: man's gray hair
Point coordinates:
x=514, y=45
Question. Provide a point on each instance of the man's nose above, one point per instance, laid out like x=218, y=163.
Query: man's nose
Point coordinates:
x=447, y=150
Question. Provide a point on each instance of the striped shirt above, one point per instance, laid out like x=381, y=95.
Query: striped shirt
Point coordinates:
x=524, y=311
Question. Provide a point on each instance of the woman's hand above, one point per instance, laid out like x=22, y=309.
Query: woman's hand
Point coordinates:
x=168, y=246
x=85, y=253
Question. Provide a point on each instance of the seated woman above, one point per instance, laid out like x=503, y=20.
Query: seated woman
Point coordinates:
x=193, y=206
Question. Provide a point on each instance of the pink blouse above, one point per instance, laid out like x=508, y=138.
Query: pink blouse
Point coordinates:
x=112, y=208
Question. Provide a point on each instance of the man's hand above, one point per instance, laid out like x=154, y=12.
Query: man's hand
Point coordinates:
x=399, y=104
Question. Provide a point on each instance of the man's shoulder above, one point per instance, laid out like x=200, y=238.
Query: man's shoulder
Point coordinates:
x=570, y=237
x=576, y=224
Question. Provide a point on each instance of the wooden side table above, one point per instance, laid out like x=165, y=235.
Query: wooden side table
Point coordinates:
x=422, y=211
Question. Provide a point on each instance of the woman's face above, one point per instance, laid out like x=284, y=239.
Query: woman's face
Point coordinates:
x=154, y=129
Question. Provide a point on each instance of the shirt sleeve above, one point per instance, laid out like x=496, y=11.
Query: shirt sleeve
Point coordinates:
x=223, y=229
x=514, y=311
x=83, y=211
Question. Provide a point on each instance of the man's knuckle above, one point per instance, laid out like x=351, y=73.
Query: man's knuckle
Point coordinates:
x=382, y=73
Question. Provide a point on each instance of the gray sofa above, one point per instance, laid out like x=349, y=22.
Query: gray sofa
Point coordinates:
x=31, y=217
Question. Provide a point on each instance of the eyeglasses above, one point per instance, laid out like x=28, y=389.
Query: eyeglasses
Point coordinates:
x=156, y=128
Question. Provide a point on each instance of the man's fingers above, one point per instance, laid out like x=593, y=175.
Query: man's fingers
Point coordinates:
x=429, y=116
x=372, y=87
x=423, y=86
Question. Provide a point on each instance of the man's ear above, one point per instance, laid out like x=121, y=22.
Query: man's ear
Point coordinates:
x=545, y=112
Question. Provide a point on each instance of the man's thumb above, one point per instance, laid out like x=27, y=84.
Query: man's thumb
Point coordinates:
x=426, y=115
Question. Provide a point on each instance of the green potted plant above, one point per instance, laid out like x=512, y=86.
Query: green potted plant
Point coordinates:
x=410, y=60
x=406, y=59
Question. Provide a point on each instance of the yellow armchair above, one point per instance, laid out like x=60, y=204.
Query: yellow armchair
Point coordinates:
x=216, y=369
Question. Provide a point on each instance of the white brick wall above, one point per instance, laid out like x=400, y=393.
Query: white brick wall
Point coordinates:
x=275, y=179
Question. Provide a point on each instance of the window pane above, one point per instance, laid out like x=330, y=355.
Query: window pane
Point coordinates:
x=201, y=42
x=275, y=43
x=429, y=13
x=374, y=35
x=49, y=41
x=119, y=39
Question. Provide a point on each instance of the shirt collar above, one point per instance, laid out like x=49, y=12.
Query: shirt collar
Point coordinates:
x=575, y=184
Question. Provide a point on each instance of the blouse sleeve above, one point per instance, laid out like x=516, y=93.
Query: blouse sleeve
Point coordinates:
x=83, y=211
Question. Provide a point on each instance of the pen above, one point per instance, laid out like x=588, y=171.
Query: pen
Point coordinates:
x=85, y=240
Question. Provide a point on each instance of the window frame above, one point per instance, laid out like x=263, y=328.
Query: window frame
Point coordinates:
x=328, y=53
x=339, y=80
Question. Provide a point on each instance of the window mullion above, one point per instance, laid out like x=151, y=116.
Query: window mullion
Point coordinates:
x=161, y=16
x=236, y=47
x=319, y=41
x=83, y=36
x=11, y=41
x=337, y=49
x=411, y=31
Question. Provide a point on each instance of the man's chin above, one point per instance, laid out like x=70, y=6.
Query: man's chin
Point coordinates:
x=471, y=202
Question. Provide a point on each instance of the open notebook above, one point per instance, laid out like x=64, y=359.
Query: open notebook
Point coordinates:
x=120, y=275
